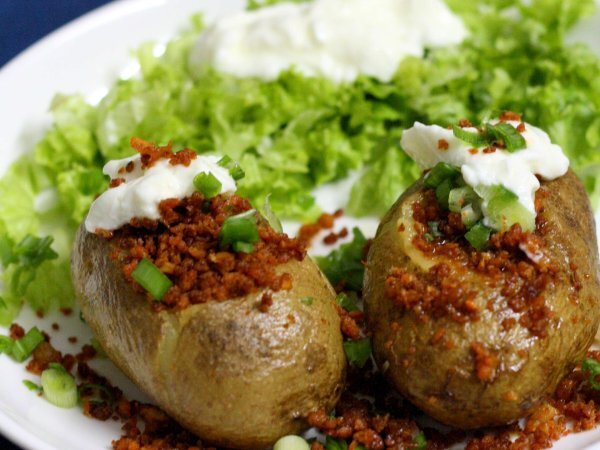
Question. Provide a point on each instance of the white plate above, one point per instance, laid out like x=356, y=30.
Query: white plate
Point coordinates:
x=87, y=56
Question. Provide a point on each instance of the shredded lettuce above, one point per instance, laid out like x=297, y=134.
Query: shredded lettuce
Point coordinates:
x=295, y=133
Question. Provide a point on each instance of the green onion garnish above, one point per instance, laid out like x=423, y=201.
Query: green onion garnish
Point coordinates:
x=460, y=197
x=470, y=216
x=434, y=228
x=478, y=236
x=32, y=386
x=242, y=247
x=236, y=172
x=358, y=352
x=420, y=441
x=207, y=184
x=513, y=140
x=6, y=345
x=291, y=442
x=349, y=304
x=335, y=444
x=475, y=139
x=22, y=348
x=151, y=278
x=442, y=192
x=593, y=367
x=440, y=172
x=504, y=209
x=240, y=231
x=59, y=386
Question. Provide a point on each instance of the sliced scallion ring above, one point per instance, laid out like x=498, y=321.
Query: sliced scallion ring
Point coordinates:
x=59, y=387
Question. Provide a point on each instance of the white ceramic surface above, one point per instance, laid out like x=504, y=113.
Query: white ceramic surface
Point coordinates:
x=87, y=56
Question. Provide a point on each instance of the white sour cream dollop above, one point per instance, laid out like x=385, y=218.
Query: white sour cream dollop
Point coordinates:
x=515, y=171
x=337, y=39
x=143, y=189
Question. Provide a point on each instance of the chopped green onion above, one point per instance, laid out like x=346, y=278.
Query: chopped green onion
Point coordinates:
x=358, y=352
x=504, y=209
x=442, y=192
x=475, y=139
x=349, y=304
x=434, y=228
x=513, y=140
x=420, y=441
x=335, y=444
x=243, y=247
x=225, y=162
x=59, y=386
x=470, y=216
x=22, y=348
x=291, y=442
x=236, y=172
x=241, y=229
x=307, y=301
x=440, y=172
x=207, y=184
x=461, y=196
x=593, y=367
x=32, y=386
x=152, y=279
x=6, y=345
x=270, y=216
x=478, y=236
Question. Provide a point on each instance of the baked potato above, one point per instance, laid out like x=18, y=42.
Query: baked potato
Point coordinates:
x=236, y=376
x=490, y=368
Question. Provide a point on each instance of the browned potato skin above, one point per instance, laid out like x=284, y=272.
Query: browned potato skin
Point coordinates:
x=441, y=381
x=237, y=377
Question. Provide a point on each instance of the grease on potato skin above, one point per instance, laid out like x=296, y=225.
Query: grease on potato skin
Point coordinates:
x=528, y=366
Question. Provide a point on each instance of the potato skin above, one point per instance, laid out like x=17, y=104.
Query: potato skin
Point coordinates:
x=237, y=377
x=442, y=381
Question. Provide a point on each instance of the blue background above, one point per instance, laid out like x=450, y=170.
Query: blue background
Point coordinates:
x=23, y=22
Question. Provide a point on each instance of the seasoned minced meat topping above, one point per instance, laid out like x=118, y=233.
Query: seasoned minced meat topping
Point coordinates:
x=184, y=245
x=444, y=291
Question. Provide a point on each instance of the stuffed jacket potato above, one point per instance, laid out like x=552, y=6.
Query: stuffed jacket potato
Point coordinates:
x=238, y=365
x=477, y=337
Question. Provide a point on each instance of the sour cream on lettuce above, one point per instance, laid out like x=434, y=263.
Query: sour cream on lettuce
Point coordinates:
x=143, y=189
x=336, y=39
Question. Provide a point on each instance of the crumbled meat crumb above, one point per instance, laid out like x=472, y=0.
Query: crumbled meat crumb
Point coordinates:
x=444, y=290
x=184, y=245
x=485, y=360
